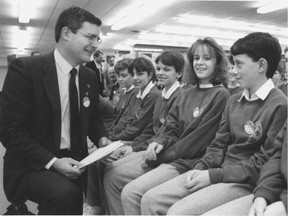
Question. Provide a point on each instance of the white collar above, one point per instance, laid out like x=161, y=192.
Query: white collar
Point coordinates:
x=64, y=66
x=125, y=90
x=171, y=90
x=146, y=91
x=209, y=85
x=261, y=93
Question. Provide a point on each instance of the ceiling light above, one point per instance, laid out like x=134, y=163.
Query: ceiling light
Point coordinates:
x=142, y=10
x=148, y=50
x=272, y=6
x=230, y=24
x=21, y=39
x=199, y=32
x=24, y=11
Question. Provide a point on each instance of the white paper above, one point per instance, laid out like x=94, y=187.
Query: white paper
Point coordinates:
x=100, y=153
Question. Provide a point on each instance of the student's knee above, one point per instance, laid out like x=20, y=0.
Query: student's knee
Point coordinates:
x=149, y=204
x=176, y=210
x=128, y=193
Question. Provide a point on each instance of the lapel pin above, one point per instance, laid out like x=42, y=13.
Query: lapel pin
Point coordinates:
x=86, y=102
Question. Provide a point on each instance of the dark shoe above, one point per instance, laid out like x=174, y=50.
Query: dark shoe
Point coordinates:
x=14, y=209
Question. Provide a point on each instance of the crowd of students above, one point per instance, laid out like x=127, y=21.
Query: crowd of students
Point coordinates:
x=193, y=148
x=208, y=138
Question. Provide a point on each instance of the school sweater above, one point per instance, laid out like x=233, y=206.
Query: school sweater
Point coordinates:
x=125, y=99
x=283, y=87
x=136, y=117
x=272, y=184
x=244, y=141
x=123, y=106
x=191, y=126
x=235, y=90
x=161, y=108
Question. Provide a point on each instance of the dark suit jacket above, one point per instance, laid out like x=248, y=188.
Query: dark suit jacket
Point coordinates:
x=101, y=86
x=30, y=118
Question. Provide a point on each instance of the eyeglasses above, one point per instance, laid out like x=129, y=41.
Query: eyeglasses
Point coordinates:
x=91, y=37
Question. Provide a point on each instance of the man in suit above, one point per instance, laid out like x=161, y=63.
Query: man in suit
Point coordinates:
x=42, y=151
x=96, y=65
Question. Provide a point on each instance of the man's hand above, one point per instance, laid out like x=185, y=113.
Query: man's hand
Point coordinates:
x=153, y=149
x=68, y=167
x=258, y=207
x=122, y=151
x=197, y=179
x=104, y=141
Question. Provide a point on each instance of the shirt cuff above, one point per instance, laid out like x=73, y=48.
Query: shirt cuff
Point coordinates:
x=50, y=163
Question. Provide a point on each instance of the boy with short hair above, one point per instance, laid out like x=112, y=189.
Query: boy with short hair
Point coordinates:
x=230, y=167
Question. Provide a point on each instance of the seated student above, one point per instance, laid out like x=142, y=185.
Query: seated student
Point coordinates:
x=284, y=77
x=277, y=77
x=140, y=110
x=270, y=195
x=230, y=167
x=127, y=89
x=169, y=69
x=233, y=85
x=190, y=124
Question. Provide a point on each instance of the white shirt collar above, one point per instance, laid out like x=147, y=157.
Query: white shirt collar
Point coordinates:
x=171, y=90
x=64, y=66
x=125, y=90
x=261, y=93
x=146, y=91
x=209, y=85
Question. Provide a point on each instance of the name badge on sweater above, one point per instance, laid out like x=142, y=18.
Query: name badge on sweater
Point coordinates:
x=162, y=119
x=196, y=112
x=253, y=130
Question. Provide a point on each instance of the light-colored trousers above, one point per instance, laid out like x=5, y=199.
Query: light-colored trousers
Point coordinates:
x=117, y=175
x=173, y=198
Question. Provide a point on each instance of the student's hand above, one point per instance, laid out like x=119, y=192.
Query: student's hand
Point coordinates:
x=197, y=179
x=258, y=207
x=104, y=141
x=68, y=167
x=122, y=151
x=275, y=209
x=153, y=149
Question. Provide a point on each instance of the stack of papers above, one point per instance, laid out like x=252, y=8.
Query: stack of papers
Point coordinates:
x=100, y=153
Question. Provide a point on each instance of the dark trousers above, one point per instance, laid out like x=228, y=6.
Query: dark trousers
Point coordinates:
x=54, y=193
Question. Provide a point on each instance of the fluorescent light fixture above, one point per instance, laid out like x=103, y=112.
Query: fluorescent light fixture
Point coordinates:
x=24, y=11
x=122, y=47
x=199, y=32
x=272, y=6
x=148, y=49
x=142, y=10
x=230, y=24
x=21, y=39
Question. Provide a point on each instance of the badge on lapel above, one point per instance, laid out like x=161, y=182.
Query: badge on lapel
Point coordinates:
x=253, y=130
x=86, y=101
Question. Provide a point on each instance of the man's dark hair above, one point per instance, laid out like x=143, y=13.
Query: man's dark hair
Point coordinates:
x=73, y=19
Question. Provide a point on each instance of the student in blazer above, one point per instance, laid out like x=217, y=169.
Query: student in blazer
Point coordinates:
x=35, y=120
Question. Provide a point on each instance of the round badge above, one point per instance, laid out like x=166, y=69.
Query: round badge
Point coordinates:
x=86, y=102
x=196, y=112
x=162, y=119
x=249, y=127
